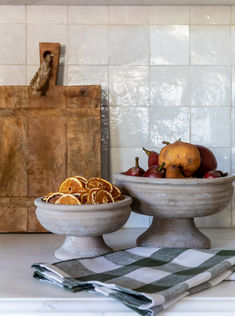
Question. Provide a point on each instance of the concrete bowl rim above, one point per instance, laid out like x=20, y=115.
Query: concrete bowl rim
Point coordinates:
x=83, y=208
x=163, y=181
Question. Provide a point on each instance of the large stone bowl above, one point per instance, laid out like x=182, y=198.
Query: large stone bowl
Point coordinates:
x=83, y=225
x=174, y=203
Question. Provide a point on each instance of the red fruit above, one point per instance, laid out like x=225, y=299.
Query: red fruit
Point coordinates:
x=153, y=157
x=135, y=171
x=155, y=172
x=212, y=174
x=222, y=174
x=208, y=161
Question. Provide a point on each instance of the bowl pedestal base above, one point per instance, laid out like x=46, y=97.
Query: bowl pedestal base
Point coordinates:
x=173, y=233
x=82, y=247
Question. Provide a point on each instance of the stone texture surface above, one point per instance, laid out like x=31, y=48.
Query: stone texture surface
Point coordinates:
x=33, y=223
x=174, y=203
x=83, y=225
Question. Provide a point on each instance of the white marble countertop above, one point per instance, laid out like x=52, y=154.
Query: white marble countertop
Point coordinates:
x=22, y=295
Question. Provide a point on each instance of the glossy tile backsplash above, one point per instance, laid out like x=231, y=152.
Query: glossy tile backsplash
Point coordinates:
x=167, y=72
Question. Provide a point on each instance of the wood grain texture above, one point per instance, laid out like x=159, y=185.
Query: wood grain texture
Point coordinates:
x=13, y=219
x=84, y=147
x=43, y=140
x=47, y=154
x=13, y=157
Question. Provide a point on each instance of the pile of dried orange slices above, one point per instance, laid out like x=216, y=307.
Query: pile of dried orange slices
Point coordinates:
x=79, y=190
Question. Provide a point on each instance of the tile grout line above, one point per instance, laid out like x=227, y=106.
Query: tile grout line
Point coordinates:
x=149, y=87
x=231, y=103
x=190, y=76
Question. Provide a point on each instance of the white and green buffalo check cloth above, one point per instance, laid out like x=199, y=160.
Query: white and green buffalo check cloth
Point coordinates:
x=147, y=280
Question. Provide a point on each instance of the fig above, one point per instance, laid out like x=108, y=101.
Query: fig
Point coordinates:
x=152, y=157
x=136, y=171
x=222, y=174
x=155, y=172
x=212, y=174
x=180, y=154
x=208, y=161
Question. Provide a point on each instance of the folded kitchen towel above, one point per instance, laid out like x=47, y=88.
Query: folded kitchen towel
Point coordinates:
x=147, y=280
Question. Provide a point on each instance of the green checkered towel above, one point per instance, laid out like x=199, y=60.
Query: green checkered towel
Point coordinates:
x=147, y=280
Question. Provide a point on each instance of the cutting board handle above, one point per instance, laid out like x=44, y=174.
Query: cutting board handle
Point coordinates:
x=51, y=48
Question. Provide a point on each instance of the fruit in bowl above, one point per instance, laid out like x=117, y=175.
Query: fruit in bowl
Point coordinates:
x=184, y=184
x=79, y=190
x=83, y=211
x=179, y=160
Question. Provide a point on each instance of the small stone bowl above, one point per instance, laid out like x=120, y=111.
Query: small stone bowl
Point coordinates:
x=174, y=203
x=83, y=225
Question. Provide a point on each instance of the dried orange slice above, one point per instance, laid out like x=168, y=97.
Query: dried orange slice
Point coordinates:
x=80, y=191
x=116, y=193
x=68, y=199
x=71, y=185
x=103, y=196
x=54, y=197
x=99, y=183
x=83, y=198
x=91, y=195
x=83, y=179
x=46, y=196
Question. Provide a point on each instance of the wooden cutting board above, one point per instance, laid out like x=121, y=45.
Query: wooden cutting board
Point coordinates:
x=43, y=140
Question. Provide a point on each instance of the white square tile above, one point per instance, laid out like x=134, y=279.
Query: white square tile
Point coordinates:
x=12, y=14
x=233, y=127
x=233, y=15
x=90, y=75
x=137, y=220
x=169, y=86
x=233, y=86
x=128, y=86
x=210, y=45
x=192, y=258
x=222, y=156
x=210, y=126
x=44, y=33
x=169, y=15
x=128, y=14
x=210, y=14
x=210, y=86
x=12, y=48
x=169, y=45
x=233, y=44
x=87, y=14
x=168, y=124
x=233, y=207
x=233, y=162
x=12, y=75
x=128, y=45
x=46, y=14
x=221, y=219
x=124, y=158
x=61, y=76
x=87, y=45
x=129, y=127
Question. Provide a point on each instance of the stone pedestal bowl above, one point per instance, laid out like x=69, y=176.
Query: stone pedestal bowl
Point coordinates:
x=174, y=203
x=83, y=225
